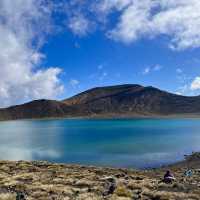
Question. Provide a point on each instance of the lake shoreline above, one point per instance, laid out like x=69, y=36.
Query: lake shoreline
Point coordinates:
x=44, y=180
x=113, y=117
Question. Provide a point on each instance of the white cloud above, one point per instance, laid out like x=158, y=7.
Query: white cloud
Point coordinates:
x=14, y=153
x=74, y=82
x=180, y=20
x=107, y=6
x=133, y=22
x=155, y=68
x=79, y=25
x=182, y=77
x=184, y=90
x=146, y=70
x=188, y=86
x=130, y=20
x=23, y=25
x=178, y=93
x=195, y=85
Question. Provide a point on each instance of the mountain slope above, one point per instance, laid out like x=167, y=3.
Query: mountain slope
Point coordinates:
x=134, y=99
x=36, y=109
x=122, y=100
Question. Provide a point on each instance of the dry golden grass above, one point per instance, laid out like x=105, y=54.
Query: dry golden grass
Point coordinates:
x=45, y=181
x=7, y=196
x=123, y=191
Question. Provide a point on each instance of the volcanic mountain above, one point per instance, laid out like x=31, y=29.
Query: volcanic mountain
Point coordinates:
x=113, y=101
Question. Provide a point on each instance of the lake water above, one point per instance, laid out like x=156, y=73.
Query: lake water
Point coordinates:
x=137, y=143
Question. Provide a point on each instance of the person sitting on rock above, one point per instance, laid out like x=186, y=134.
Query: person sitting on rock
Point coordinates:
x=168, y=177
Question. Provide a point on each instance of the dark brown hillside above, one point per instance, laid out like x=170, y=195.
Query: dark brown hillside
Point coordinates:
x=116, y=101
x=134, y=99
x=36, y=109
x=101, y=92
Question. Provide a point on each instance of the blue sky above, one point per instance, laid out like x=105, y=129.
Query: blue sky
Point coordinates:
x=55, y=49
x=97, y=61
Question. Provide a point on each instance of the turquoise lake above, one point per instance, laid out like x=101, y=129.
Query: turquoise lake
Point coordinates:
x=136, y=143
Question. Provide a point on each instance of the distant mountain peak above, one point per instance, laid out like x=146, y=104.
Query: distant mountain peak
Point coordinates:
x=128, y=100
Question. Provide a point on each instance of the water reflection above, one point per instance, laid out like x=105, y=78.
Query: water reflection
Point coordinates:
x=25, y=140
x=10, y=153
x=119, y=143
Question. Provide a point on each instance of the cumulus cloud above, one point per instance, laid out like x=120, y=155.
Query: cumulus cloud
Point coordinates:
x=195, y=85
x=79, y=25
x=78, y=16
x=106, y=6
x=179, y=20
x=23, y=25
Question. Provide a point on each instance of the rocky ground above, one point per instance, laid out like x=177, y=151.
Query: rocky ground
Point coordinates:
x=47, y=181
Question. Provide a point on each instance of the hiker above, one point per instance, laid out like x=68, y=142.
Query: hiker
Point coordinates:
x=168, y=177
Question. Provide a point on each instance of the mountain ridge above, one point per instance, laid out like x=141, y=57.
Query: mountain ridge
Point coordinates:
x=128, y=100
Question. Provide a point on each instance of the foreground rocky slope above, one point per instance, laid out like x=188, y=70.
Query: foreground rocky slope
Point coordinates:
x=46, y=181
x=113, y=101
